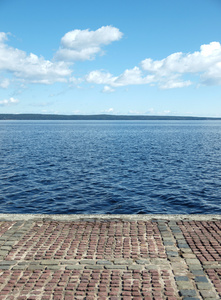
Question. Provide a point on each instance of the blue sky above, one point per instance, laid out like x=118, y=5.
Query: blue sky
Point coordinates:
x=119, y=57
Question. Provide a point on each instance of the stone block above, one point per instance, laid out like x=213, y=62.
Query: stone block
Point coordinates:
x=207, y=294
x=183, y=285
x=104, y=262
x=135, y=267
x=192, y=261
x=201, y=279
x=74, y=267
x=94, y=267
x=197, y=272
x=143, y=261
x=115, y=267
x=195, y=267
x=172, y=253
x=188, y=293
x=53, y=267
x=35, y=267
x=49, y=262
x=203, y=286
x=87, y=262
x=151, y=267
x=123, y=261
x=181, y=278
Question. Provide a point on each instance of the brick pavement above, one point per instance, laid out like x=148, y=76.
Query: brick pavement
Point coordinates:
x=110, y=259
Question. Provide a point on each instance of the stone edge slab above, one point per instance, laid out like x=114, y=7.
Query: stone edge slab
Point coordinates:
x=74, y=217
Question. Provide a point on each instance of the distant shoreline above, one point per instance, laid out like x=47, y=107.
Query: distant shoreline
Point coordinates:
x=39, y=117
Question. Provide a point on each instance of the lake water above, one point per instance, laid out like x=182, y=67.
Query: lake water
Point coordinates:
x=110, y=167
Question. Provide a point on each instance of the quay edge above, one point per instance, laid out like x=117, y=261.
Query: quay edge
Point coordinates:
x=75, y=217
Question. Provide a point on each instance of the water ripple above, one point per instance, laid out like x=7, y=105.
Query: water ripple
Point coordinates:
x=110, y=167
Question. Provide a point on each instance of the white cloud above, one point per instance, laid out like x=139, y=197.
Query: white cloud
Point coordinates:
x=168, y=73
x=132, y=77
x=75, y=45
x=65, y=54
x=100, y=77
x=108, y=111
x=85, y=44
x=206, y=62
x=3, y=37
x=212, y=76
x=5, y=83
x=135, y=112
x=172, y=84
x=30, y=67
x=107, y=89
x=75, y=81
x=166, y=112
x=128, y=77
x=9, y=101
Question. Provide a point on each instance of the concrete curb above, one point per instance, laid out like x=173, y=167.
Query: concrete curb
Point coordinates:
x=73, y=217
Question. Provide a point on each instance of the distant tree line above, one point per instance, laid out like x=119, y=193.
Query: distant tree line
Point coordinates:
x=96, y=117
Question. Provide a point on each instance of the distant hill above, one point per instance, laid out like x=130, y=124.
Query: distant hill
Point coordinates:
x=96, y=117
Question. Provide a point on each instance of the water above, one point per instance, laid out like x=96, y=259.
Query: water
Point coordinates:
x=110, y=167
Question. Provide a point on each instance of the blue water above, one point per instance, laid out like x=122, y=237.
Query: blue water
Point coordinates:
x=110, y=167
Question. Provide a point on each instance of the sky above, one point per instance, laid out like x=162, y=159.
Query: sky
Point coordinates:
x=139, y=57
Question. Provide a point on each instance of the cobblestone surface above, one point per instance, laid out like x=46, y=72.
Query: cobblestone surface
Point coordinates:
x=110, y=259
x=204, y=239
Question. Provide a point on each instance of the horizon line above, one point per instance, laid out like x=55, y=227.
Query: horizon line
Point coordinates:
x=42, y=116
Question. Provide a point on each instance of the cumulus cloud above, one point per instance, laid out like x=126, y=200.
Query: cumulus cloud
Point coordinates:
x=212, y=76
x=85, y=44
x=174, y=83
x=206, y=62
x=108, y=111
x=4, y=83
x=9, y=101
x=30, y=67
x=100, y=77
x=168, y=73
x=75, y=81
x=107, y=89
x=75, y=45
x=3, y=37
x=131, y=77
x=128, y=77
